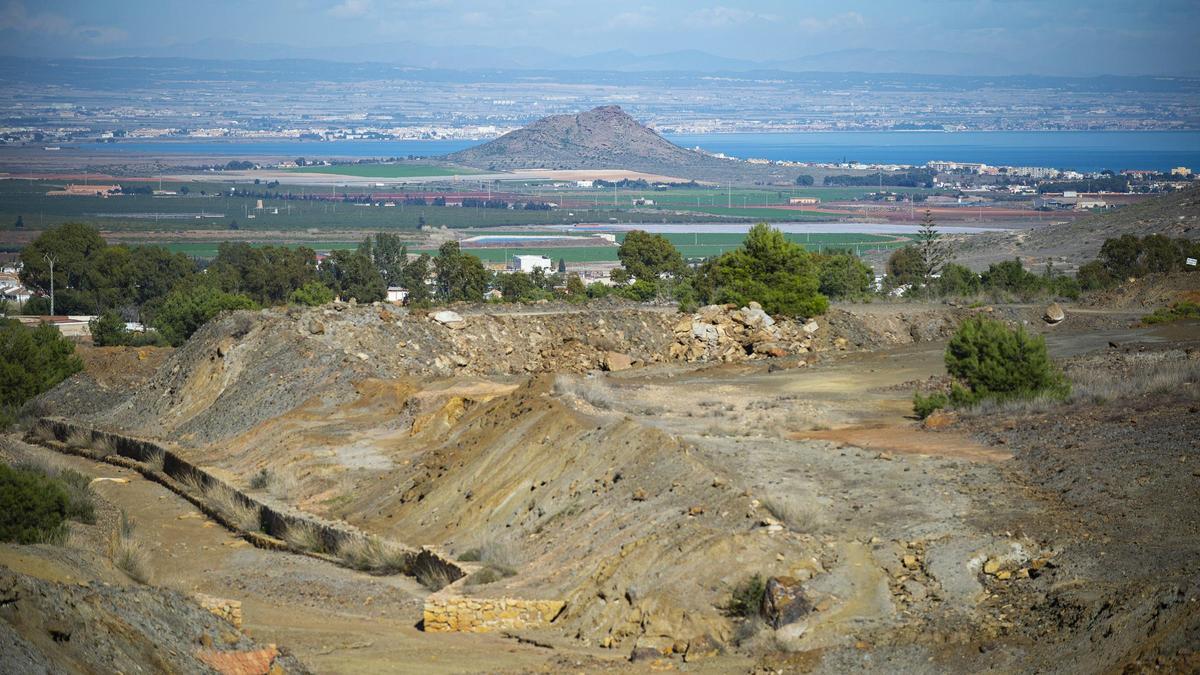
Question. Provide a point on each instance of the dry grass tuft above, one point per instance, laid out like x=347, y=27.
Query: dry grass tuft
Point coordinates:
x=1098, y=386
x=797, y=514
x=283, y=484
x=79, y=438
x=243, y=515
x=305, y=536
x=154, y=460
x=44, y=432
x=193, y=482
x=104, y=445
x=593, y=390
x=432, y=575
x=131, y=559
x=495, y=553
x=128, y=525
x=372, y=554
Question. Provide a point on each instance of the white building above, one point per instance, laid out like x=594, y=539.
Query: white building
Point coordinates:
x=529, y=263
x=397, y=294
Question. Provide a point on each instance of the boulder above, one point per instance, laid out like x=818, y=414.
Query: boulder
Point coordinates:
x=449, y=319
x=616, y=361
x=757, y=317
x=701, y=647
x=711, y=313
x=1054, y=313
x=705, y=332
x=810, y=327
x=940, y=419
x=772, y=349
x=784, y=601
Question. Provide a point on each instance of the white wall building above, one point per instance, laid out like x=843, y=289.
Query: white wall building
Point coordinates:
x=529, y=263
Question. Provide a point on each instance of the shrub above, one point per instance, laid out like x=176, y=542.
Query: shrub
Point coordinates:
x=313, y=294
x=843, y=275
x=957, y=281
x=31, y=362
x=924, y=406
x=1178, y=311
x=1095, y=276
x=259, y=480
x=185, y=309
x=130, y=558
x=745, y=600
x=81, y=501
x=778, y=274
x=33, y=507
x=1010, y=276
x=796, y=514
x=991, y=360
x=487, y=575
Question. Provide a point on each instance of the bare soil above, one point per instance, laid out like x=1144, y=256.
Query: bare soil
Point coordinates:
x=643, y=497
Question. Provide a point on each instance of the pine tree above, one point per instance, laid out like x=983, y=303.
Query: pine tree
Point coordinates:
x=933, y=252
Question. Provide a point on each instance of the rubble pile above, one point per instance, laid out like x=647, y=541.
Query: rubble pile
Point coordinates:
x=730, y=333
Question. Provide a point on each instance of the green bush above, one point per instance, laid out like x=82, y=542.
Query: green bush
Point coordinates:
x=1178, y=311
x=185, y=309
x=640, y=290
x=1095, y=276
x=313, y=294
x=33, y=507
x=957, y=281
x=31, y=362
x=769, y=269
x=108, y=330
x=991, y=360
x=844, y=275
x=745, y=600
x=924, y=406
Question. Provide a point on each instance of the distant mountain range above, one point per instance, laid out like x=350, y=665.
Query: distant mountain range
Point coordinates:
x=416, y=55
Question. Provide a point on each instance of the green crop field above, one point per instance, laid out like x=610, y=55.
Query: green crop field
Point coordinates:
x=387, y=170
x=216, y=210
x=206, y=249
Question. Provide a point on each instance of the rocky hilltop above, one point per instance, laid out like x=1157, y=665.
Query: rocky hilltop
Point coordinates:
x=601, y=138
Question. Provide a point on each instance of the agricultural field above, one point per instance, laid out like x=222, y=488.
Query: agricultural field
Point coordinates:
x=387, y=170
x=697, y=245
x=209, y=207
x=737, y=199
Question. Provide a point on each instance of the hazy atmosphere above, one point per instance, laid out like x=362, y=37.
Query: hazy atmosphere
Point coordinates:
x=1066, y=37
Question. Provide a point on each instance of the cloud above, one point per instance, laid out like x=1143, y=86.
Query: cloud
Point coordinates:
x=16, y=17
x=350, y=9
x=835, y=22
x=722, y=17
x=642, y=19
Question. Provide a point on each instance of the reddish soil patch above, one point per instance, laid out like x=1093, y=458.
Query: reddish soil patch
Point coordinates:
x=910, y=441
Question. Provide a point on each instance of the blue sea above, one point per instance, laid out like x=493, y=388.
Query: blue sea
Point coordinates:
x=1079, y=150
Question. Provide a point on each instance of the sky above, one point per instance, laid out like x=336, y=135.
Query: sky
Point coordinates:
x=1061, y=37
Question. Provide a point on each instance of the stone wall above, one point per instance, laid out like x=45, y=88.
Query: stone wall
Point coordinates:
x=481, y=615
x=179, y=475
x=229, y=610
